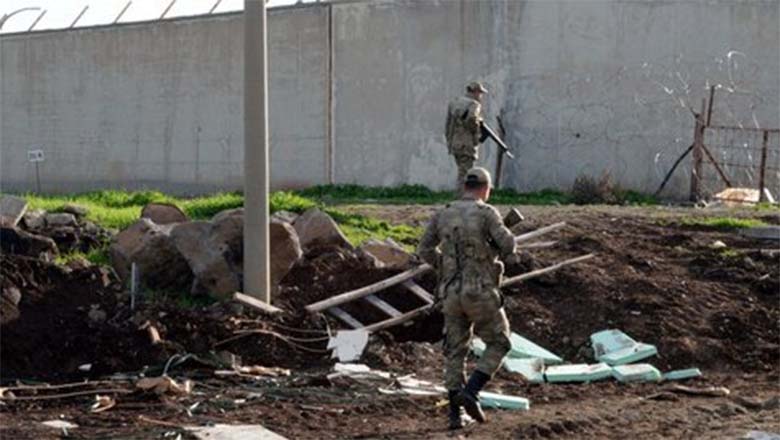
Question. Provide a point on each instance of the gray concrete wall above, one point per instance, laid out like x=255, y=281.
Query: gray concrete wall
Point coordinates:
x=159, y=105
x=358, y=92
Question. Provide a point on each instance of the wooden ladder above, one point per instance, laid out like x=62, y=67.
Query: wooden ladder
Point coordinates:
x=367, y=293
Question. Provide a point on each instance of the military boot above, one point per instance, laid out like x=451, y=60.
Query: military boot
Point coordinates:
x=455, y=420
x=469, y=397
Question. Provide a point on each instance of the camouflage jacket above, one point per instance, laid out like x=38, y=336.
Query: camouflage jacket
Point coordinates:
x=464, y=242
x=464, y=116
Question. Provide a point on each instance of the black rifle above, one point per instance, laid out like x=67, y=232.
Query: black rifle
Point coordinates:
x=487, y=132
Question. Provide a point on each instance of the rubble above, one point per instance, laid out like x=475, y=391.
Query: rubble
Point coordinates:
x=317, y=229
x=577, y=372
x=77, y=210
x=60, y=219
x=19, y=242
x=204, y=252
x=617, y=348
x=387, y=253
x=163, y=213
x=636, y=373
x=11, y=210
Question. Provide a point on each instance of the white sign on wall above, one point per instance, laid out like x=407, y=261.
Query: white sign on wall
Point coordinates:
x=35, y=156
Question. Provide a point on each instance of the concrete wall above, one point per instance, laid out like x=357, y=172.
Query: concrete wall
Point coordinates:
x=359, y=89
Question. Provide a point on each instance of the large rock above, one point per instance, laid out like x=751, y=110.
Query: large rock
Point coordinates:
x=163, y=213
x=150, y=246
x=77, y=210
x=200, y=246
x=34, y=219
x=11, y=210
x=60, y=219
x=19, y=242
x=388, y=253
x=285, y=251
x=317, y=229
x=284, y=216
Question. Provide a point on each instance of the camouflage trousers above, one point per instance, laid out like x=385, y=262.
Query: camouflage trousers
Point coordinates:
x=464, y=162
x=484, y=312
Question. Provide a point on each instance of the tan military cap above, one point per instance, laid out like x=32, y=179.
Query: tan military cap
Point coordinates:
x=476, y=86
x=479, y=175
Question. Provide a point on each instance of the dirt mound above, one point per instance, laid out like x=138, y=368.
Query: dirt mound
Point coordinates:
x=701, y=307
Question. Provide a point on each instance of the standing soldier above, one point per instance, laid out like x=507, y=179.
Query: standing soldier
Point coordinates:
x=463, y=129
x=464, y=242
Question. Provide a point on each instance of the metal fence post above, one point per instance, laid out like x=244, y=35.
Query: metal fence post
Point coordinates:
x=698, y=133
x=762, y=168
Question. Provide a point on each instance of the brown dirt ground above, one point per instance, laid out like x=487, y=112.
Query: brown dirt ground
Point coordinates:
x=655, y=278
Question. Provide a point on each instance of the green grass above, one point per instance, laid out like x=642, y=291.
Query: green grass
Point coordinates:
x=723, y=223
x=95, y=256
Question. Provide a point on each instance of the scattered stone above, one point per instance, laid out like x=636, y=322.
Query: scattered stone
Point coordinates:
x=729, y=409
x=12, y=295
x=717, y=244
x=19, y=242
x=285, y=251
x=11, y=210
x=149, y=245
x=284, y=216
x=59, y=219
x=317, y=229
x=96, y=315
x=388, y=253
x=163, y=213
x=77, y=210
x=194, y=242
x=35, y=219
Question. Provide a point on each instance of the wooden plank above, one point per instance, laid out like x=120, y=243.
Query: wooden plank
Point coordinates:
x=398, y=319
x=541, y=231
x=339, y=313
x=533, y=274
x=255, y=303
x=419, y=291
x=382, y=305
x=367, y=290
x=539, y=245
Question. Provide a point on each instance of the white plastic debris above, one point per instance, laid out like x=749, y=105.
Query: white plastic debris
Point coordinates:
x=348, y=345
x=59, y=424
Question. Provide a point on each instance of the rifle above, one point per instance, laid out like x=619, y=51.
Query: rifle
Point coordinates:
x=487, y=132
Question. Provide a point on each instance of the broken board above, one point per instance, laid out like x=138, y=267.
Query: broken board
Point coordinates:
x=617, y=348
x=522, y=348
x=578, y=372
x=636, y=373
x=688, y=373
x=532, y=369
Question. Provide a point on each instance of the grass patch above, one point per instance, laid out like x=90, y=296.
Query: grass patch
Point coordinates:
x=723, y=223
x=97, y=256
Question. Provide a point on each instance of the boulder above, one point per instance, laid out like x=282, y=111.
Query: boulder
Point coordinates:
x=11, y=210
x=77, y=210
x=227, y=234
x=204, y=254
x=35, y=219
x=285, y=251
x=388, y=253
x=317, y=229
x=149, y=245
x=9, y=304
x=284, y=216
x=220, y=216
x=58, y=219
x=19, y=242
x=163, y=213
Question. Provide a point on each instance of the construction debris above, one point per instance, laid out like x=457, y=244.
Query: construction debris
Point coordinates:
x=617, y=348
x=221, y=431
x=636, y=373
x=11, y=210
x=348, y=345
x=577, y=373
x=689, y=373
x=500, y=401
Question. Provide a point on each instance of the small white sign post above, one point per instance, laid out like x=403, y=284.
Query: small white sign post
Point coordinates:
x=36, y=156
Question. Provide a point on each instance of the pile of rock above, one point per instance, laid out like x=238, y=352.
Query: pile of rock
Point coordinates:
x=206, y=257
x=40, y=234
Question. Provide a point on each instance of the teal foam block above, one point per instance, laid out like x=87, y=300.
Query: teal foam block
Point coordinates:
x=531, y=369
x=617, y=348
x=636, y=373
x=495, y=400
x=578, y=372
x=689, y=373
x=522, y=348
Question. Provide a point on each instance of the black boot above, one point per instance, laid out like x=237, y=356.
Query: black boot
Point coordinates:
x=469, y=397
x=455, y=420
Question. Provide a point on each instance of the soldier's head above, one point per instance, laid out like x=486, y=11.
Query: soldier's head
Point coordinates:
x=476, y=90
x=478, y=183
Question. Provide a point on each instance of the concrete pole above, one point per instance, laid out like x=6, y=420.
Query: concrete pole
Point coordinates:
x=256, y=241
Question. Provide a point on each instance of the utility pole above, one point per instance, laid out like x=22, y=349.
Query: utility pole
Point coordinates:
x=256, y=234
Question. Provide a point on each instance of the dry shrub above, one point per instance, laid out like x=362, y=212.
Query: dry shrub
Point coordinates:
x=588, y=190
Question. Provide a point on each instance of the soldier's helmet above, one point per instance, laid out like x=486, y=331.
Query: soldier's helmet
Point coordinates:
x=476, y=86
x=479, y=175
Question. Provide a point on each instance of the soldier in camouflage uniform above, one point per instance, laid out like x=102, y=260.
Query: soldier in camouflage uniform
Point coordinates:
x=463, y=129
x=464, y=242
